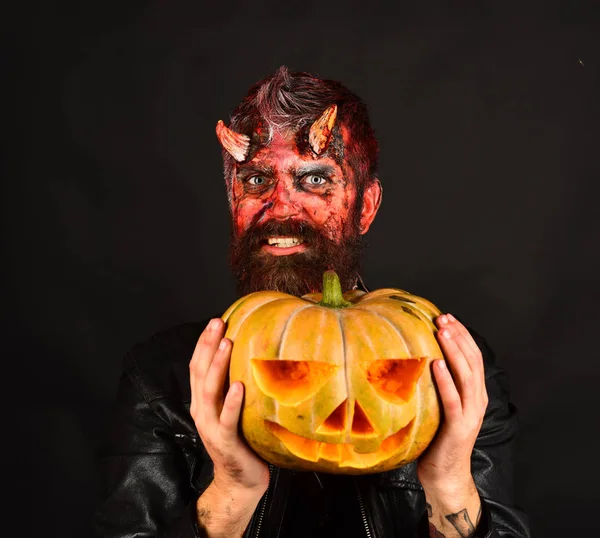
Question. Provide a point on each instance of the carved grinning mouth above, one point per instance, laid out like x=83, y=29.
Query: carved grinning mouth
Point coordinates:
x=291, y=382
x=344, y=454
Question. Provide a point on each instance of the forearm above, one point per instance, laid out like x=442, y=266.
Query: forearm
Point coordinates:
x=226, y=514
x=453, y=514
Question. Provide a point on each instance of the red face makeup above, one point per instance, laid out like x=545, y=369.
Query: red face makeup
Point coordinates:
x=281, y=184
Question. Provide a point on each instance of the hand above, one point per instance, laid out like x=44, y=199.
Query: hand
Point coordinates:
x=446, y=464
x=236, y=466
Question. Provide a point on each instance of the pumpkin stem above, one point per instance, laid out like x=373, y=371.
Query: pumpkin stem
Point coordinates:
x=332, y=291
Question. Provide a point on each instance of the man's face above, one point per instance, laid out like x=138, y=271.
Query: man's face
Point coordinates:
x=294, y=216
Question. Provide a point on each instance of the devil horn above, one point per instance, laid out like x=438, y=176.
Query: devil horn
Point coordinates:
x=320, y=131
x=237, y=145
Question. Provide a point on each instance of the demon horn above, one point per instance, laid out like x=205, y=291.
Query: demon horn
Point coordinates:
x=320, y=131
x=237, y=145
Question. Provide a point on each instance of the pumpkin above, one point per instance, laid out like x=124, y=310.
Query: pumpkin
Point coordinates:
x=337, y=383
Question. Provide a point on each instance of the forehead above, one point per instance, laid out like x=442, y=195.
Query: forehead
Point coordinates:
x=285, y=152
x=283, y=147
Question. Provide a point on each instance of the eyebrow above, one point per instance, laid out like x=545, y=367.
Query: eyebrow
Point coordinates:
x=317, y=169
x=246, y=170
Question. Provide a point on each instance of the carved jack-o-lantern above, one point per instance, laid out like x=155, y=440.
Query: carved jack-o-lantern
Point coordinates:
x=336, y=383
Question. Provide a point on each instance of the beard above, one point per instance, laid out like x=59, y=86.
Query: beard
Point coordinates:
x=296, y=274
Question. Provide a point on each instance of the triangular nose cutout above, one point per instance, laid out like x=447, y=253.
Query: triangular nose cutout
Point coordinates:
x=361, y=425
x=336, y=422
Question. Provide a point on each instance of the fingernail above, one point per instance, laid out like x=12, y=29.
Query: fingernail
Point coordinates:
x=443, y=320
x=446, y=334
x=214, y=323
x=441, y=364
x=451, y=317
x=223, y=344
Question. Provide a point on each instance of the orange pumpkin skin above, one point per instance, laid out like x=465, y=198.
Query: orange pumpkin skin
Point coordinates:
x=337, y=390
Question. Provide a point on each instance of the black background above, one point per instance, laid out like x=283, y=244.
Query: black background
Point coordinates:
x=115, y=222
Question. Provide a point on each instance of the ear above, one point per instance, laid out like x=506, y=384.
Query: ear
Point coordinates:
x=370, y=205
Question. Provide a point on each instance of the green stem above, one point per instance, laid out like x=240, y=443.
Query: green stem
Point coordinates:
x=332, y=291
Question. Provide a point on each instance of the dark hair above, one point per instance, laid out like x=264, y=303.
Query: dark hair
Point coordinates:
x=289, y=101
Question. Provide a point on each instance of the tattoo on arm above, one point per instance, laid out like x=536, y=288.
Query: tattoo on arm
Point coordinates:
x=462, y=523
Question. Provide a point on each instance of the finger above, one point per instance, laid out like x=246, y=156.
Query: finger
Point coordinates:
x=463, y=330
x=212, y=390
x=449, y=395
x=464, y=340
x=461, y=341
x=484, y=398
x=196, y=394
x=466, y=343
x=206, y=347
x=458, y=365
x=200, y=361
x=473, y=355
x=193, y=394
x=232, y=407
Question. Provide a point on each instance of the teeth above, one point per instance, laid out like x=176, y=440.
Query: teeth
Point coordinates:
x=284, y=242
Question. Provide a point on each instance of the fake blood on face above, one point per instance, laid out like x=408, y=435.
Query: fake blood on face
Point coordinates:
x=280, y=183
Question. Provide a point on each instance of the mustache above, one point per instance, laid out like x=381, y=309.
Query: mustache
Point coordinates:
x=258, y=233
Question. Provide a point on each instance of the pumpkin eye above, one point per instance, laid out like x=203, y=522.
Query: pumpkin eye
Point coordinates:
x=291, y=382
x=395, y=379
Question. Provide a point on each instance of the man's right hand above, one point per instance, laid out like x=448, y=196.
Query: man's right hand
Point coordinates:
x=240, y=476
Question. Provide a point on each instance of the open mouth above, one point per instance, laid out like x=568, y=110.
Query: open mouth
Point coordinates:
x=284, y=245
x=284, y=242
x=344, y=454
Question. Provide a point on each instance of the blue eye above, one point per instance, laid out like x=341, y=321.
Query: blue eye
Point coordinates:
x=315, y=180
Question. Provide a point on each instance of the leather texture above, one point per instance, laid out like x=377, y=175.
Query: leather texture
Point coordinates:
x=154, y=466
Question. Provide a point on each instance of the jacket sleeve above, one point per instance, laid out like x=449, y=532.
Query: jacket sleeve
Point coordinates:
x=492, y=458
x=153, y=468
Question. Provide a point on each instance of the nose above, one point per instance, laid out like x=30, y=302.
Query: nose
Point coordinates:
x=283, y=206
x=338, y=421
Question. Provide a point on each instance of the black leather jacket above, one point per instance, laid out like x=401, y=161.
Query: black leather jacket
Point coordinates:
x=155, y=466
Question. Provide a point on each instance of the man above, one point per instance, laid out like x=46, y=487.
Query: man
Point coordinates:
x=300, y=160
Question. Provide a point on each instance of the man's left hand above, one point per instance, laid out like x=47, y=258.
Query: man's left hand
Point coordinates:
x=446, y=464
x=444, y=469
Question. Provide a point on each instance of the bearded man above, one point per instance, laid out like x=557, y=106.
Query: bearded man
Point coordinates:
x=301, y=169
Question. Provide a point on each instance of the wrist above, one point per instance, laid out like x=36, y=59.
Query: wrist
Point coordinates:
x=235, y=491
x=453, y=509
x=451, y=492
x=225, y=511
